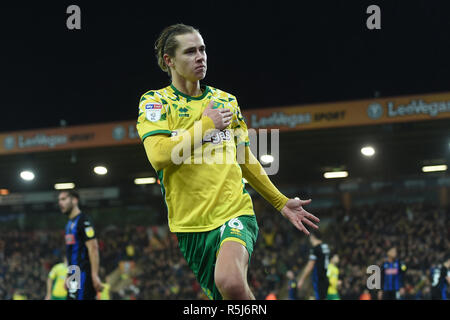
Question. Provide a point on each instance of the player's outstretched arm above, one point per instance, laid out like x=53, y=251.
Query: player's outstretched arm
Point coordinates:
x=292, y=209
x=256, y=176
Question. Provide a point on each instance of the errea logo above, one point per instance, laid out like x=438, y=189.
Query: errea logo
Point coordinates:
x=183, y=112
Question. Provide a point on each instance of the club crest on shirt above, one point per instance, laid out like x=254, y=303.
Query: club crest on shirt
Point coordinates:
x=153, y=111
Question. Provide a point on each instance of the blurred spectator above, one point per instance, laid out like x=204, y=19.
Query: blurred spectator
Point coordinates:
x=292, y=285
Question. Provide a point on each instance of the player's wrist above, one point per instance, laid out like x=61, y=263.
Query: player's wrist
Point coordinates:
x=207, y=123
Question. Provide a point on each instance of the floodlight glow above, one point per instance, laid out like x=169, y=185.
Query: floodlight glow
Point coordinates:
x=368, y=151
x=27, y=175
x=64, y=186
x=267, y=158
x=335, y=174
x=149, y=180
x=442, y=167
x=100, y=170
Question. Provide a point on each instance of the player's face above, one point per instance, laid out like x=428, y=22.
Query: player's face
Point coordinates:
x=190, y=57
x=335, y=259
x=65, y=203
x=392, y=253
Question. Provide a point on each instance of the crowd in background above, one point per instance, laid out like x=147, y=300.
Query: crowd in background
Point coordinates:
x=361, y=236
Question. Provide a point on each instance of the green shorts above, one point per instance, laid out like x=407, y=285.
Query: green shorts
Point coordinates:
x=333, y=296
x=200, y=249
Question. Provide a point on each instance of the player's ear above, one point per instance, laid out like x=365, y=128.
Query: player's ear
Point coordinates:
x=168, y=60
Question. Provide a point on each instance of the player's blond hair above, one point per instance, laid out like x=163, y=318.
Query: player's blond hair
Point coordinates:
x=166, y=43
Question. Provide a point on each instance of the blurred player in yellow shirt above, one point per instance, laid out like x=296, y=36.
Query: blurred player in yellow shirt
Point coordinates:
x=55, y=282
x=19, y=295
x=333, y=277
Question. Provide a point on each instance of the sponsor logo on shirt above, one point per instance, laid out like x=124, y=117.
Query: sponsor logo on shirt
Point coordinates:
x=153, y=111
x=217, y=136
x=89, y=232
x=391, y=271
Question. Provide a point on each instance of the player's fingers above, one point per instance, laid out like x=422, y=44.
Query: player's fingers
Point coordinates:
x=311, y=217
x=309, y=223
x=305, y=231
x=301, y=227
x=304, y=202
x=306, y=214
x=297, y=225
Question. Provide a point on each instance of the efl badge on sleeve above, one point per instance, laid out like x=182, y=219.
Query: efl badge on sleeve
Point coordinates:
x=89, y=232
x=153, y=111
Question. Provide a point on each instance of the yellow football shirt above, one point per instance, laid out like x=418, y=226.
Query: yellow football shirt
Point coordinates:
x=333, y=276
x=207, y=189
x=58, y=275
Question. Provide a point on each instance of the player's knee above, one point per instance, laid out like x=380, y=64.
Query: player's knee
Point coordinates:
x=230, y=285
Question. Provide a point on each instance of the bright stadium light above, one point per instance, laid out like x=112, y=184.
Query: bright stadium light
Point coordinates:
x=64, y=186
x=368, y=151
x=149, y=180
x=27, y=175
x=100, y=170
x=335, y=174
x=266, y=159
x=441, y=167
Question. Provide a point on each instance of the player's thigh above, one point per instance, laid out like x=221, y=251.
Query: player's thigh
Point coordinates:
x=237, y=240
x=232, y=262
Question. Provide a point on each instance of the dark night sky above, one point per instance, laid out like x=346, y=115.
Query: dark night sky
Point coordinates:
x=266, y=53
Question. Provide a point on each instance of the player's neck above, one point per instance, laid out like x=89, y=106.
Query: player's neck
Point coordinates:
x=75, y=212
x=187, y=87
